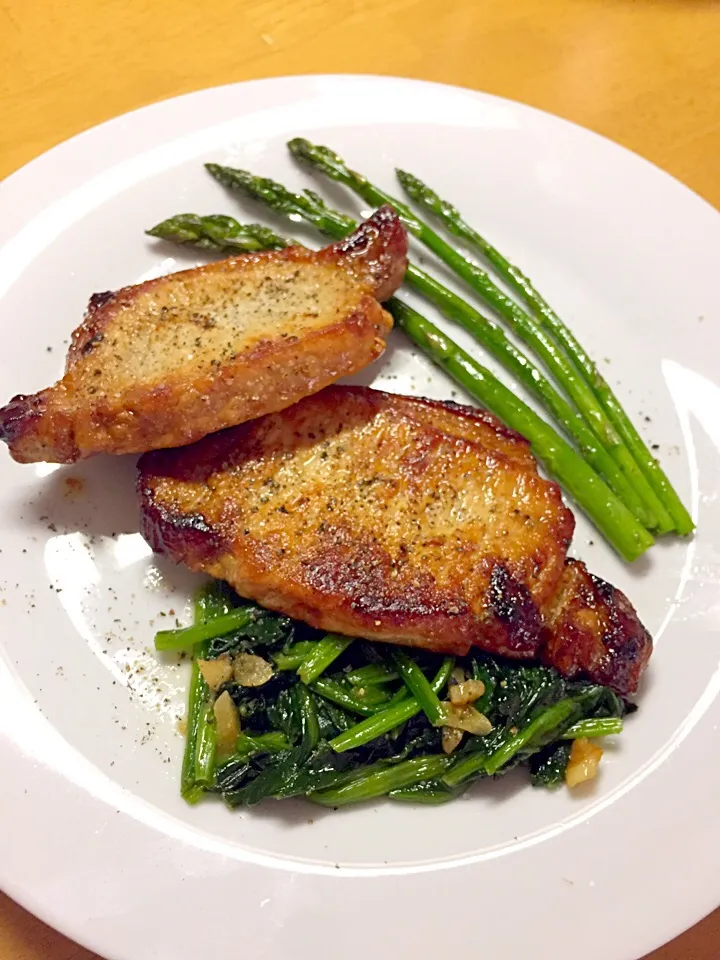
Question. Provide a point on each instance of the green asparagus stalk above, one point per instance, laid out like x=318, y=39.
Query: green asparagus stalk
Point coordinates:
x=608, y=513
x=522, y=323
x=217, y=232
x=314, y=210
x=543, y=312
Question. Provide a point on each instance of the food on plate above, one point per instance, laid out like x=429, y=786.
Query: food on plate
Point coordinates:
x=617, y=455
x=573, y=469
x=166, y=362
x=420, y=524
x=343, y=515
x=341, y=720
x=396, y=519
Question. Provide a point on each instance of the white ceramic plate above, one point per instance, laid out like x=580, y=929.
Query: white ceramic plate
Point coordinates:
x=94, y=837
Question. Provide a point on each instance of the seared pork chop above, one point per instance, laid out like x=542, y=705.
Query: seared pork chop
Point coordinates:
x=396, y=519
x=166, y=362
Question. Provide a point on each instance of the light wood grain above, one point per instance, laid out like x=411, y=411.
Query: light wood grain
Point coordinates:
x=644, y=72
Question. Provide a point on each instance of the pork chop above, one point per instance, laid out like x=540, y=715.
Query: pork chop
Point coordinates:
x=166, y=362
x=396, y=519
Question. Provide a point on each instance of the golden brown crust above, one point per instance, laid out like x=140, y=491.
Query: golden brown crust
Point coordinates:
x=166, y=362
x=370, y=514
x=475, y=424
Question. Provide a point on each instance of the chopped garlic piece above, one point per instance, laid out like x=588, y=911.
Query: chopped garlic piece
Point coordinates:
x=583, y=764
x=227, y=724
x=466, y=692
x=451, y=738
x=467, y=718
x=250, y=670
x=215, y=672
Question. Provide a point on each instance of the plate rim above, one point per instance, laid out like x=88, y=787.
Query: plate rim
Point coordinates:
x=299, y=78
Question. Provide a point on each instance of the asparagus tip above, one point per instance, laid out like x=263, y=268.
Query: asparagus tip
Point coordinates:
x=228, y=176
x=298, y=144
x=167, y=230
x=317, y=155
x=301, y=149
x=409, y=181
x=182, y=228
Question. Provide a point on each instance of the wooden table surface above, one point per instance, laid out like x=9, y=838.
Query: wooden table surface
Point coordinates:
x=643, y=72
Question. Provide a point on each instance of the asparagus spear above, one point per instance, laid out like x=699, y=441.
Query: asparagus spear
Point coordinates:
x=524, y=326
x=314, y=210
x=608, y=513
x=516, y=279
x=217, y=232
